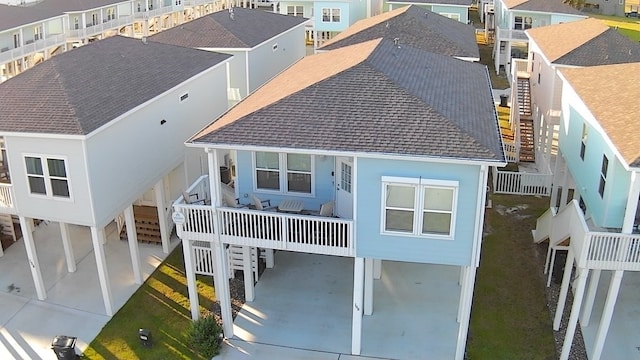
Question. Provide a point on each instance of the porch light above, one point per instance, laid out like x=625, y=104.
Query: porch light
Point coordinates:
x=145, y=337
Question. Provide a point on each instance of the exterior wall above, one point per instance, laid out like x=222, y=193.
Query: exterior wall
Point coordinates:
x=563, y=18
x=331, y=26
x=265, y=62
x=237, y=70
x=462, y=11
x=370, y=241
x=608, y=210
x=543, y=92
x=323, y=177
x=357, y=11
x=307, y=7
x=75, y=210
x=133, y=153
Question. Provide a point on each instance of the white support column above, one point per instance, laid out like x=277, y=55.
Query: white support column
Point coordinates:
x=466, y=297
x=68, y=249
x=564, y=289
x=575, y=313
x=162, y=215
x=377, y=269
x=358, y=292
x=607, y=313
x=632, y=204
x=97, y=236
x=591, y=296
x=249, y=293
x=368, y=286
x=269, y=260
x=26, y=225
x=190, y=271
x=221, y=282
x=132, y=239
x=565, y=188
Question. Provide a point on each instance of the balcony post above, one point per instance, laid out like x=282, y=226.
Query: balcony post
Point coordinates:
x=575, y=313
x=68, y=249
x=632, y=204
x=132, y=239
x=607, y=313
x=26, y=225
x=358, y=293
x=190, y=271
x=368, y=286
x=464, y=310
x=564, y=289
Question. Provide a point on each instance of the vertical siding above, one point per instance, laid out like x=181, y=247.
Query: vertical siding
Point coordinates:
x=371, y=243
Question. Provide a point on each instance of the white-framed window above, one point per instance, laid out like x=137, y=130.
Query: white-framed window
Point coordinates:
x=47, y=176
x=583, y=140
x=37, y=33
x=295, y=10
x=111, y=13
x=330, y=15
x=603, y=175
x=452, y=16
x=283, y=172
x=522, y=22
x=418, y=207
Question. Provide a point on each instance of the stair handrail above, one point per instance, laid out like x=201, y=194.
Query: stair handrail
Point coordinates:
x=543, y=225
x=571, y=224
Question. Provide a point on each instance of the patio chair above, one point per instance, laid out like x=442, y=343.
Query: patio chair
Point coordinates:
x=261, y=204
x=326, y=209
x=192, y=199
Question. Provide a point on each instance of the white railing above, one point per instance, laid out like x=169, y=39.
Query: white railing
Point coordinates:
x=6, y=196
x=100, y=28
x=521, y=66
x=543, y=225
x=36, y=46
x=592, y=249
x=611, y=251
x=314, y=234
x=506, y=35
x=521, y=183
x=203, y=258
x=512, y=151
x=156, y=12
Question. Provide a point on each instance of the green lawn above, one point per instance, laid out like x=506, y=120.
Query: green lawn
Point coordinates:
x=510, y=319
x=626, y=26
x=160, y=305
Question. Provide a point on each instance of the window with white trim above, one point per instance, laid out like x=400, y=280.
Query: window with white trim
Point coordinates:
x=47, y=176
x=284, y=173
x=452, y=16
x=522, y=22
x=295, y=10
x=330, y=15
x=418, y=207
x=603, y=175
x=583, y=140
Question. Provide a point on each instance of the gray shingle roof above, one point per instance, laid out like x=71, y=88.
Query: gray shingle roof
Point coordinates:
x=246, y=29
x=417, y=27
x=610, y=47
x=397, y=101
x=14, y=16
x=551, y=6
x=78, y=91
x=434, y=2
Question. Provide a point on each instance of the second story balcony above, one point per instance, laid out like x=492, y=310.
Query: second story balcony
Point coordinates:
x=266, y=228
x=31, y=47
x=96, y=29
x=6, y=198
x=153, y=12
x=510, y=35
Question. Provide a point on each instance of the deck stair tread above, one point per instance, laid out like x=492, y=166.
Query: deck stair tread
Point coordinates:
x=147, y=224
x=527, y=137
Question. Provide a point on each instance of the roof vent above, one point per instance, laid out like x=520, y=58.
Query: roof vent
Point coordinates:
x=144, y=40
x=396, y=42
x=231, y=14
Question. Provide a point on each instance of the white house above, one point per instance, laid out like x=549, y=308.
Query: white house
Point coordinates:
x=103, y=137
x=262, y=44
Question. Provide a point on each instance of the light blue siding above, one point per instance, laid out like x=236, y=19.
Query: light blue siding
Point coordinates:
x=324, y=182
x=608, y=210
x=331, y=26
x=371, y=243
x=562, y=18
x=463, y=12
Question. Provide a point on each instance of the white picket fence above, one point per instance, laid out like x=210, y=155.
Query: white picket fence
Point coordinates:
x=521, y=183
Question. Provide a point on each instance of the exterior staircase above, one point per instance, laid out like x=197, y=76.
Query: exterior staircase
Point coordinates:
x=527, y=140
x=147, y=224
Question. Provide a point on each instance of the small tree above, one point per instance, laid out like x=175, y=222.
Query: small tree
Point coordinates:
x=205, y=336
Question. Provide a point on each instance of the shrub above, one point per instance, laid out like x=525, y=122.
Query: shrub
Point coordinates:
x=205, y=336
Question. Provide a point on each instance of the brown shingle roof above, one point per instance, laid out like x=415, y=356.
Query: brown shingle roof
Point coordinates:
x=247, y=28
x=434, y=2
x=550, y=6
x=414, y=26
x=78, y=91
x=611, y=93
x=558, y=40
x=373, y=97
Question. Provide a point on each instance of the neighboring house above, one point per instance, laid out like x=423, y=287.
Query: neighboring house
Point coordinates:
x=453, y=9
x=32, y=33
x=607, y=7
x=599, y=151
x=412, y=25
x=262, y=44
x=329, y=18
x=536, y=94
x=397, y=140
x=103, y=137
x=513, y=17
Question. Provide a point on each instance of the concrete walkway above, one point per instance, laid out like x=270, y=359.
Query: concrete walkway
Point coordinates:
x=74, y=305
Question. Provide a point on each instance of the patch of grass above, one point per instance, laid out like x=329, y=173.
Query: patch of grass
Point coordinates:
x=498, y=81
x=161, y=305
x=509, y=317
x=629, y=27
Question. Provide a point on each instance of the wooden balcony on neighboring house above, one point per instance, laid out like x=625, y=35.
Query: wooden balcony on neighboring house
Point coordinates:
x=261, y=228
